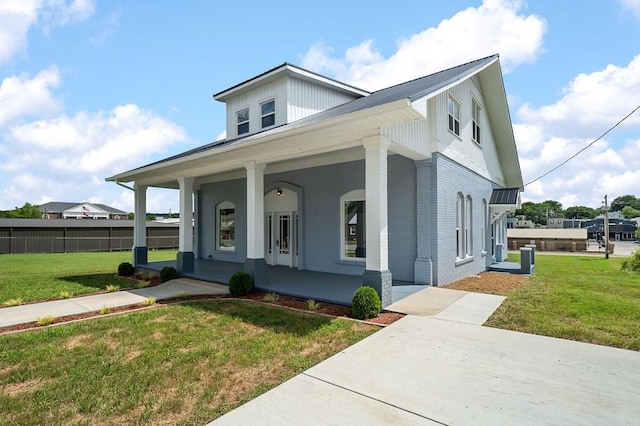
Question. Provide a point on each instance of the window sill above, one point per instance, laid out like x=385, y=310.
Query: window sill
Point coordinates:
x=454, y=134
x=229, y=252
x=352, y=262
x=463, y=261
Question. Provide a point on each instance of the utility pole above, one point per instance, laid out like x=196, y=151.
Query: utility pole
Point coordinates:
x=606, y=228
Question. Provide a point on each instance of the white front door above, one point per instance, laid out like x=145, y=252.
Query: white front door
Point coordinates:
x=281, y=227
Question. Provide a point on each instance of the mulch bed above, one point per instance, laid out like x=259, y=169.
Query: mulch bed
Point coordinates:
x=383, y=319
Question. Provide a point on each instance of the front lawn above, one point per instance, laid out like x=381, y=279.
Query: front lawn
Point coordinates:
x=180, y=364
x=31, y=277
x=583, y=298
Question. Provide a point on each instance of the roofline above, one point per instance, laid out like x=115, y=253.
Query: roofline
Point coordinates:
x=258, y=138
x=287, y=67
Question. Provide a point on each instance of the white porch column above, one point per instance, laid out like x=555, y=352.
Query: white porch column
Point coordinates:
x=140, y=250
x=255, y=264
x=377, y=274
x=185, y=259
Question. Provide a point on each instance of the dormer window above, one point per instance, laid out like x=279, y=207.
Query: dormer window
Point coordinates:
x=242, y=118
x=268, y=113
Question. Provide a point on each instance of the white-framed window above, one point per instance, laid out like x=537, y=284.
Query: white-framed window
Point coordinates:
x=468, y=227
x=268, y=113
x=475, y=121
x=453, y=107
x=226, y=226
x=484, y=225
x=353, y=225
x=242, y=120
x=459, y=225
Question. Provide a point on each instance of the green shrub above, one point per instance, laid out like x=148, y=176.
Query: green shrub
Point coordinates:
x=366, y=303
x=240, y=284
x=126, y=269
x=312, y=305
x=632, y=263
x=168, y=273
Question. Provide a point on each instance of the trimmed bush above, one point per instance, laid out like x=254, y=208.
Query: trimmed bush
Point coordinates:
x=240, y=284
x=126, y=269
x=366, y=303
x=632, y=263
x=168, y=273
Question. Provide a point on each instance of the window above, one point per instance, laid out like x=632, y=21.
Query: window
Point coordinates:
x=268, y=113
x=454, y=115
x=459, y=213
x=484, y=226
x=475, y=121
x=353, y=228
x=226, y=226
x=468, y=222
x=242, y=118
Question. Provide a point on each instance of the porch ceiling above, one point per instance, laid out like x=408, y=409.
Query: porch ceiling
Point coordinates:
x=326, y=141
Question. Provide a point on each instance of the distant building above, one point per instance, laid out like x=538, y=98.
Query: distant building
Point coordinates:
x=619, y=229
x=555, y=222
x=64, y=210
x=546, y=239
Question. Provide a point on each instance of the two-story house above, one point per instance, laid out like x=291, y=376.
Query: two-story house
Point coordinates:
x=408, y=184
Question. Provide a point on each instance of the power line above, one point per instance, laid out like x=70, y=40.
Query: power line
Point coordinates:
x=585, y=148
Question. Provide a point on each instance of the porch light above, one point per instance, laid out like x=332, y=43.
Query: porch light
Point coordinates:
x=279, y=192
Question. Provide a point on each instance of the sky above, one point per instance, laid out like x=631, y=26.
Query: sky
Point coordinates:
x=89, y=88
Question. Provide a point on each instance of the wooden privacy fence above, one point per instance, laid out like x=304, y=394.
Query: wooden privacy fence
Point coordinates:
x=75, y=236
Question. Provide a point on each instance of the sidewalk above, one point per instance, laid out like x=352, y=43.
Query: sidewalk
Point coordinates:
x=438, y=366
x=80, y=305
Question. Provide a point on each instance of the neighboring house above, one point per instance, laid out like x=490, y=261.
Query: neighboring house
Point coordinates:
x=62, y=210
x=410, y=183
x=548, y=239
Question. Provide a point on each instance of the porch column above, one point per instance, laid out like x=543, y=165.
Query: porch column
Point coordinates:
x=423, y=267
x=377, y=274
x=255, y=265
x=185, y=259
x=140, y=251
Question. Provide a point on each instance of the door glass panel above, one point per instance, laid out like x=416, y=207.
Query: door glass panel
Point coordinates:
x=284, y=234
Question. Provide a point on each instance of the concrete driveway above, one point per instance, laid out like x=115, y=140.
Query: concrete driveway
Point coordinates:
x=424, y=370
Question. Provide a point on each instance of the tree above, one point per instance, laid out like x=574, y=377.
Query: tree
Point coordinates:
x=623, y=201
x=629, y=212
x=539, y=212
x=580, y=212
x=28, y=211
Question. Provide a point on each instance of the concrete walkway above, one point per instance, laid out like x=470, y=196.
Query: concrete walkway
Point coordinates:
x=80, y=305
x=439, y=366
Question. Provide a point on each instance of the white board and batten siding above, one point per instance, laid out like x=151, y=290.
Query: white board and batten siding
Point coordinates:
x=294, y=98
x=305, y=98
x=413, y=135
x=480, y=158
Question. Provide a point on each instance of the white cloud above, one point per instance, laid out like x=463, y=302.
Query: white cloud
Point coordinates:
x=549, y=134
x=497, y=26
x=18, y=16
x=21, y=96
x=631, y=5
x=69, y=156
x=592, y=103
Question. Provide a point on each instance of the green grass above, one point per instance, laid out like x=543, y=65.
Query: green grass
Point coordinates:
x=33, y=277
x=179, y=364
x=579, y=298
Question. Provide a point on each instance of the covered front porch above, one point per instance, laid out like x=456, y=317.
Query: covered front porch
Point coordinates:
x=319, y=286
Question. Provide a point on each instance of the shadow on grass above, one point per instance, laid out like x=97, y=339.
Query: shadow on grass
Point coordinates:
x=99, y=281
x=278, y=320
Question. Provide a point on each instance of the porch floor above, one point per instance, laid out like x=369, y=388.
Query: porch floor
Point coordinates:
x=319, y=286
